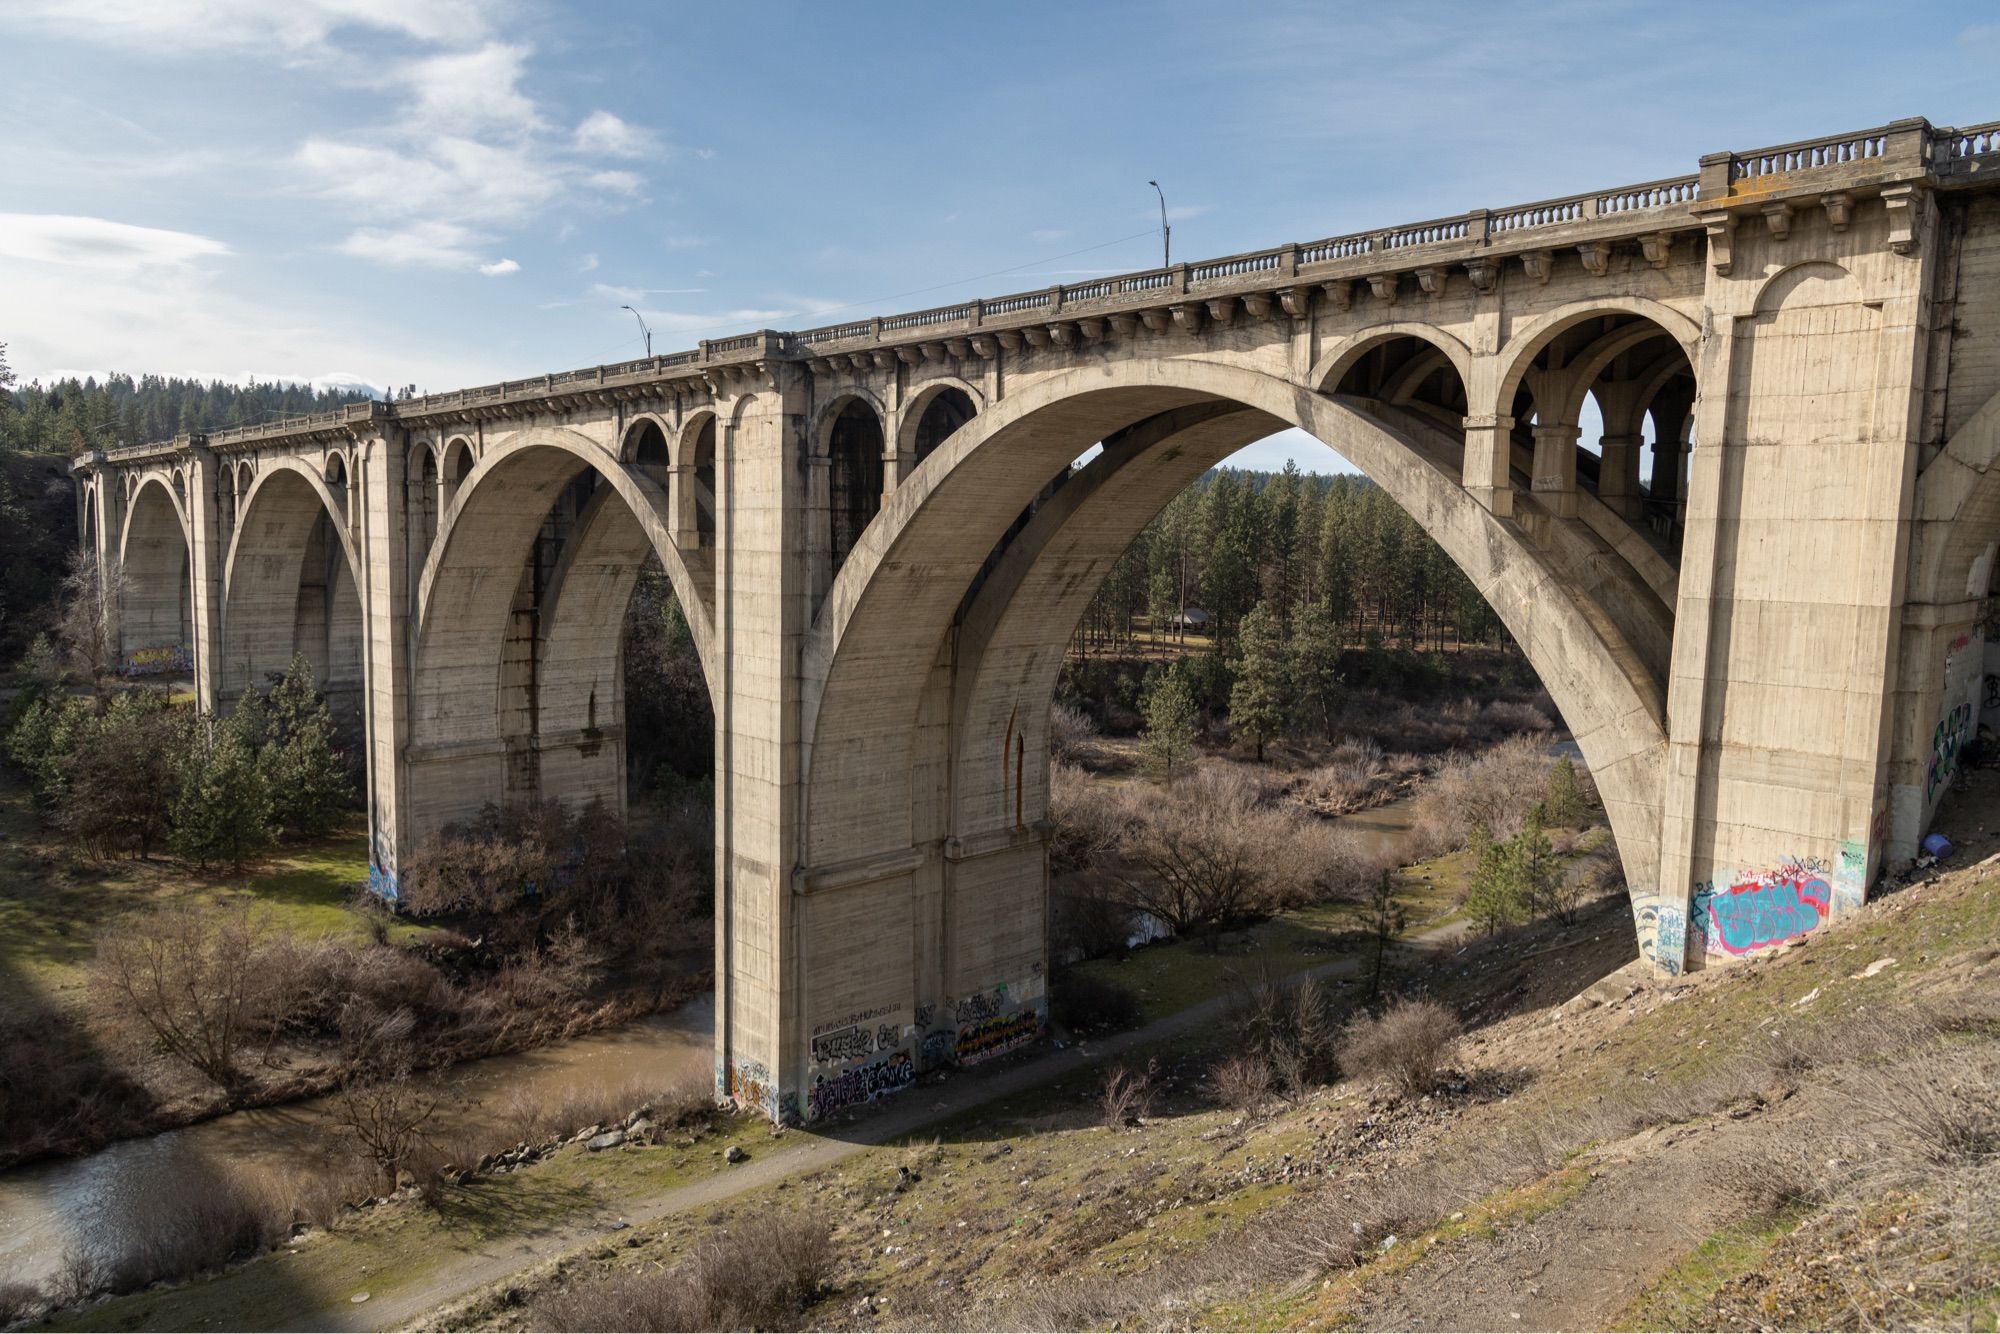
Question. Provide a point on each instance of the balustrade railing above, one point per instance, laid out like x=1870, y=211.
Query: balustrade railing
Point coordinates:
x=1974, y=141
x=1810, y=153
x=1950, y=150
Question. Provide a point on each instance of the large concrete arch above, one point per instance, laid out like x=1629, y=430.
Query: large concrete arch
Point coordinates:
x=155, y=613
x=888, y=610
x=461, y=722
x=287, y=512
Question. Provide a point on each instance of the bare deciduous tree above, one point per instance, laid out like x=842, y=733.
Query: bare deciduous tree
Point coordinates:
x=191, y=979
x=388, y=1119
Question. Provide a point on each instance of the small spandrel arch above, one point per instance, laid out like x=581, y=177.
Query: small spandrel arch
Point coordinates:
x=854, y=475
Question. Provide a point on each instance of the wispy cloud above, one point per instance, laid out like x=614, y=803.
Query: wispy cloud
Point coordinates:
x=100, y=243
x=499, y=267
x=207, y=25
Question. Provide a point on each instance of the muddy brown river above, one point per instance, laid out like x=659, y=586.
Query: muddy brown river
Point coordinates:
x=48, y=1209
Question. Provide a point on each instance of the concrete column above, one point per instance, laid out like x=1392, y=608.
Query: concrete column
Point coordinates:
x=1791, y=590
x=206, y=553
x=1488, y=453
x=764, y=600
x=1618, y=474
x=376, y=506
x=1555, y=469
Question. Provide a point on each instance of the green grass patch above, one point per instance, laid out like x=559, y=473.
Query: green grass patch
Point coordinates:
x=1678, y=1299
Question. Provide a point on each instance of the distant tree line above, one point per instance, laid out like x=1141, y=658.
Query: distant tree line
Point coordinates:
x=69, y=416
x=1298, y=544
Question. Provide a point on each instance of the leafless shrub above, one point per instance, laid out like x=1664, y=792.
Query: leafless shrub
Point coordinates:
x=761, y=1274
x=1288, y=1029
x=1072, y=735
x=1213, y=849
x=78, y=1277
x=1496, y=788
x=19, y=1302
x=1128, y=1095
x=1939, y=1108
x=388, y=1119
x=193, y=980
x=1775, y=1177
x=1087, y=816
x=1242, y=1082
x=1407, y=1045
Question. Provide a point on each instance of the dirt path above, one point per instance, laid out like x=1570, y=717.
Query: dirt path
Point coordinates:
x=794, y=1153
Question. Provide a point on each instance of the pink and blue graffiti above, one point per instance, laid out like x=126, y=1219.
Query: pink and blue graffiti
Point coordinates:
x=1756, y=913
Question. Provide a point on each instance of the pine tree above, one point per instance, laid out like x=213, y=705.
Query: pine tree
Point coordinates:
x=309, y=785
x=1564, y=799
x=1170, y=721
x=1386, y=919
x=1313, y=664
x=1260, y=699
x=222, y=813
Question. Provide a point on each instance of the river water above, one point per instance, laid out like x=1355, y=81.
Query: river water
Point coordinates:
x=50, y=1208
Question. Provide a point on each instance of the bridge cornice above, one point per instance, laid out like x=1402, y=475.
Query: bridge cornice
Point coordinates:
x=1833, y=172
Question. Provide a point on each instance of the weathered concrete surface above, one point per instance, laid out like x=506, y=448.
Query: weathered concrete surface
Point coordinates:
x=1755, y=598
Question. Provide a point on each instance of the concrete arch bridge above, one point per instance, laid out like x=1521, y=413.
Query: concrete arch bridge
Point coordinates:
x=1755, y=598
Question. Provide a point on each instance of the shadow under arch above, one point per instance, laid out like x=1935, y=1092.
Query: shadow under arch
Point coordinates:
x=290, y=583
x=156, y=590
x=515, y=673
x=892, y=604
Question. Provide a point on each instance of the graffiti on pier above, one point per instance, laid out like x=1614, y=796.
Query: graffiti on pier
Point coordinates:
x=886, y=1036
x=842, y=1045
x=749, y=1084
x=990, y=1037
x=859, y=1084
x=1850, y=884
x=1670, y=939
x=1949, y=738
x=984, y=1006
x=157, y=658
x=1759, y=910
x=940, y=1048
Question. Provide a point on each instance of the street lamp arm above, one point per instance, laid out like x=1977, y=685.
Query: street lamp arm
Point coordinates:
x=644, y=331
x=1166, y=232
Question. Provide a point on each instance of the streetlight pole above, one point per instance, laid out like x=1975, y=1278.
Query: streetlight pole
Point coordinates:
x=642, y=329
x=1166, y=232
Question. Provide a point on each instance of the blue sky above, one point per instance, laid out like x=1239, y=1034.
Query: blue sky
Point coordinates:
x=450, y=192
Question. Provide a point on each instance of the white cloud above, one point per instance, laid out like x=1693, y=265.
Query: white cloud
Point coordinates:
x=99, y=243
x=617, y=182
x=606, y=135
x=586, y=264
x=1049, y=233
x=470, y=91
x=499, y=267
x=438, y=245
x=297, y=26
x=479, y=182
